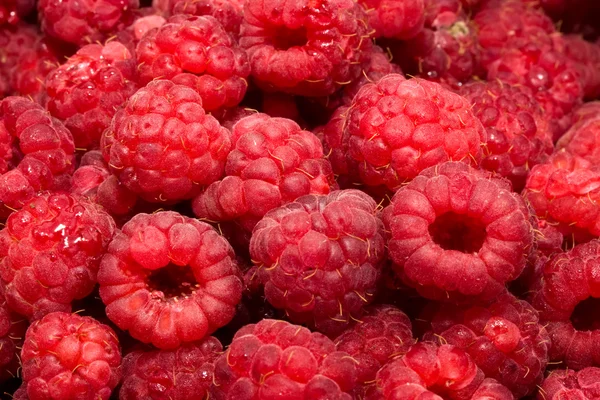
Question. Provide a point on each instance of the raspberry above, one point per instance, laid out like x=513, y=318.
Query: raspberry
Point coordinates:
x=568, y=384
x=505, y=340
x=274, y=358
x=305, y=47
x=131, y=36
x=85, y=22
x=583, y=140
x=227, y=12
x=12, y=11
x=586, y=58
x=184, y=373
x=320, y=257
x=585, y=112
x=273, y=162
x=395, y=19
x=456, y=231
x=12, y=332
x=518, y=134
x=163, y=146
x=198, y=52
x=68, y=357
x=169, y=279
x=395, y=128
x=85, y=91
x=14, y=40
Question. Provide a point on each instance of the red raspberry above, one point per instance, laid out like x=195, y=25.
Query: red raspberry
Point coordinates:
x=227, y=12
x=583, y=140
x=50, y=252
x=320, y=257
x=586, y=58
x=585, y=112
x=567, y=384
x=87, y=21
x=396, y=128
x=273, y=162
x=305, y=47
x=169, y=279
x=68, y=357
x=518, y=133
x=395, y=19
x=14, y=40
x=131, y=36
x=12, y=332
x=198, y=52
x=505, y=340
x=185, y=373
x=163, y=146
x=274, y=358
x=12, y=11
x=456, y=231
x=86, y=90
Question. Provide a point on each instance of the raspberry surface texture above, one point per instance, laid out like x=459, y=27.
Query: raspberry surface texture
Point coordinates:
x=395, y=19
x=570, y=384
x=227, y=12
x=583, y=140
x=12, y=334
x=14, y=40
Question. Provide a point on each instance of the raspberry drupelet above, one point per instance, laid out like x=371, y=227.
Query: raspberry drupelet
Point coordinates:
x=227, y=12
x=305, y=47
x=583, y=140
x=320, y=257
x=169, y=279
x=185, y=373
x=568, y=384
x=51, y=251
x=85, y=91
x=457, y=232
x=395, y=19
x=274, y=357
x=163, y=146
x=69, y=357
x=12, y=333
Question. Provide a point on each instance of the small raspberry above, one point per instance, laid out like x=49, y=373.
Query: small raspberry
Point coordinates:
x=274, y=358
x=12, y=11
x=169, y=279
x=456, y=231
x=185, y=373
x=395, y=128
x=196, y=51
x=68, y=357
x=567, y=384
x=12, y=333
x=320, y=257
x=86, y=91
x=395, y=19
x=227, y=12
x=163, y=146
x=273, y=162
x=305, y=47
x=84, y=22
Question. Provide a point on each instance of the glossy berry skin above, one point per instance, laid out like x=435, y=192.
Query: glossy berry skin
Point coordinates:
x=395, y=19
x=68, y=357
x=12, y=333
x=169, y=279
x=568, y=384
x=457, y=232
x=185, y=373
x=274, y=356
x=198, y=52
x=320, y=257
x=50, y=253
x=307, y=48
x=163, y=146
x=85, y=91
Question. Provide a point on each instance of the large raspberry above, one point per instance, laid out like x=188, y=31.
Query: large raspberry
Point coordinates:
x=568, y=384
x=395, y=128
x=86, y=91
x=456, y=231
x=50, y=252
x=227, y=12
x=518, y=133
x=185, y=373
x=505, y=340
x=169, y=279
x=320, y=257
x=163, y=146
x=273, y=162
x=395, y=19
x=274, y=357
x=305, y=47
x=12, y=11
x=68, y=357
x=85, y=21
x=12, y=333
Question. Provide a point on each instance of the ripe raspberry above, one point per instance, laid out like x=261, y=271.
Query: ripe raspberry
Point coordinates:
x=305, y=47
x=85, y=22
x=568, y=384
x=585, y=112
x=273, y=162
x=505, y=340
x=198, y=52
x=456, y=231
x=396, y=128
x=14, y=40
x=163, y=146
x=185, y=373
x=131, y=36
x=12, y=11
x=12, y=333
x=518, y=134
x=586, y=58
x=227, y=12
x=169, y=279
x=320, y=257
x=395, y=19
x=274, y=358
x=50, y=252
x=86, y=90
x=68, y=357
x=583, y=140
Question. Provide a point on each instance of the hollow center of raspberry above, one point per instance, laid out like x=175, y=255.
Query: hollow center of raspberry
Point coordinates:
x=285, y=38
x=173, y=281
x=458, y=232
x=585, y=315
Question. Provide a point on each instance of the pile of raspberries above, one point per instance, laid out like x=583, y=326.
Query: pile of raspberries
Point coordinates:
x=299, y=199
